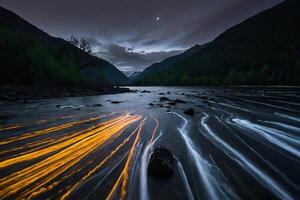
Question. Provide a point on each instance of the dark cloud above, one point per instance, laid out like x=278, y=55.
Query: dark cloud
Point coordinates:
x=127, y=33
x=127, y=60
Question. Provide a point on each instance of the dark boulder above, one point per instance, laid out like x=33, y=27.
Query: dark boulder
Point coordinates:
x=145, y=91
x=172, y=103
x=179, y=101
x=161, y=163
x=97, y=105
x=116, y=102
x=189, y=111
x=164, y=99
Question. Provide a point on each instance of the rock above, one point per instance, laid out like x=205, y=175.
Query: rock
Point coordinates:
x=172, y=103
x=151, y=104
x=161, y=93
x=168, y=92
x=189, y=111
x=179, y=101
x=97, y=105
x=145, y=91
x=116, y=102
x=164, y=99
x=161, y=163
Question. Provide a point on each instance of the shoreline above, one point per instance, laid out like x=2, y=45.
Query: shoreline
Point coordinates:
x=25, y=93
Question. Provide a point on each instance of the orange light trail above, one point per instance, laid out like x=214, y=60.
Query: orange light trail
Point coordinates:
x=5, y=128
x=80, y=136
x=31, y=180
x=91, y=172
x=42, y=121
x=124, y=174
x=48, y=130
x=35, y=145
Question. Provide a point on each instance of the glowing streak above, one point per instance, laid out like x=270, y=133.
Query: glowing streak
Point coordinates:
x=279, y=138
x=124, y=174
x=198, y=160
x=293, y=128
x=185, y=180
x=297, y=119
x=246, y=164
x=35, y=145
x=144, y=162
x=10, y=127
x=204, y=168
x=90, y=173
x=45, y=151
x=48, y=130
x=258, y=155
x=46, y=170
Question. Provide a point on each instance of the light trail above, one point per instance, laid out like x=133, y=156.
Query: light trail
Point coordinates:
x=32, y=179
x=216, y=187
x=144, y=194
x=91, y=172
x=123, y=178
x=10, y=127
x=49, y=130
x=42, y=121
x=273, y=167
x=246, y=164
x=36, y=145
x=78, y=137
x=297, y=119
x=274, y=136
x=286, y=126
x=184, y=179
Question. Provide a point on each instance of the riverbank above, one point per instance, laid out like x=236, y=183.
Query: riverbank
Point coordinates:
x=25, y=93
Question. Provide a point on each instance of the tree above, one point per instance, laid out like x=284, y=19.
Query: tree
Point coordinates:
x=81, y=43
x=85, y=45
x=73, y=40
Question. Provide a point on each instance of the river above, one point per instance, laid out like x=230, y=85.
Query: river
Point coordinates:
x=242, y=143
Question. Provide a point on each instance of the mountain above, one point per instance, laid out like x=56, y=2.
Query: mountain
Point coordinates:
x=134, y=75
x=156, y=68
x=263, y=50
x=29, y=56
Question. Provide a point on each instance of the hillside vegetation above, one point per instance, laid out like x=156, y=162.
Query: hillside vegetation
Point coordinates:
x=263, y=50
x=29, y=56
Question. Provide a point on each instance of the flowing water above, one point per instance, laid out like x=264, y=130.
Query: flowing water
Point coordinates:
x=242, y=143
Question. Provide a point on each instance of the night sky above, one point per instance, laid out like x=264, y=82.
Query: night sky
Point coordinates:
x=133, y=34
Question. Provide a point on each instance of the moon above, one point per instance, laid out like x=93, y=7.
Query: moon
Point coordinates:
x=157, y=18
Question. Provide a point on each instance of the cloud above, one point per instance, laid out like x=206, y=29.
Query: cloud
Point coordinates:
x=127, y=34
x=126, y=59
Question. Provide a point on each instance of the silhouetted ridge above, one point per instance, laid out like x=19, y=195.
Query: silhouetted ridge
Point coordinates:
x=262, y=50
